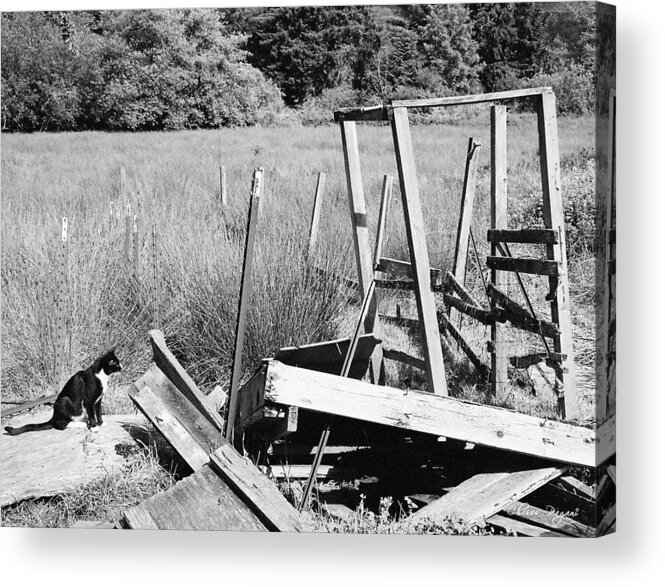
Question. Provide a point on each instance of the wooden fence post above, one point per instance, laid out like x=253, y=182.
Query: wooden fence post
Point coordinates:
x=61, y=304
x=222, y=185
x=316, y=214
x=245, y=285
x=135, y=234
x=386, y=197
x=155, y=280
x=420, y=265
x=128, y=230
x=465, y=218
x=499, y=220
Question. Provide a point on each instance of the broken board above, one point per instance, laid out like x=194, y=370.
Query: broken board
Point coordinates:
x=201, y=501
x=53, y=462
x=485, y=494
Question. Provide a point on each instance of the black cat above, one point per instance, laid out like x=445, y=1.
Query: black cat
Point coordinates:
x=80, y=398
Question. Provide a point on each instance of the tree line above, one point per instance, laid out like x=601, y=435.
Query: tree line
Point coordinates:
x=208, y=68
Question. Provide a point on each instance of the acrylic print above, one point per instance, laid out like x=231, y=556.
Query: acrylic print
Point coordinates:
x=310, y=269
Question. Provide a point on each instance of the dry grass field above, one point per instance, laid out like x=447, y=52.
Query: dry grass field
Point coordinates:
x=174, y=179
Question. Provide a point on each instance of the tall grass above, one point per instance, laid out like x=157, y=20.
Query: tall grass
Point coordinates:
x=200, y=244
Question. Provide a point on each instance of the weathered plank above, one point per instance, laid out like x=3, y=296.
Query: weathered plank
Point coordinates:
x=328, y=356
x=466, y=216
x=478, y=498
x=527, y=323
x=365, y=113
x=577, y=486
x=402, y=270
x=49, y=399
x=402, y=357
x=483, y=316
x=471, y=98
x=499, y=221
x=501, y=299
x=316, y=214
x=415, y=233
x=170, y=427
x=255, y=489
x=169, y=365
x=255, y=200
x=612, y=472
x=53, y=462
x=201, y=501
x=553, y=217
x=524, y=265
x=544, y=236
x=438, y=415
x=172, y=400
x=293, y=471
x=452, y=284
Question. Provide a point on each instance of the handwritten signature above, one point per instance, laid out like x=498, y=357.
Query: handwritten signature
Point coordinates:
x=555, y=517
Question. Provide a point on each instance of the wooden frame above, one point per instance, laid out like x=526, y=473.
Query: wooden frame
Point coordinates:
x=431, y=414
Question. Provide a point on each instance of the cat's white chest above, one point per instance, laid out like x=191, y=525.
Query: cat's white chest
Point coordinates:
x=104, y=379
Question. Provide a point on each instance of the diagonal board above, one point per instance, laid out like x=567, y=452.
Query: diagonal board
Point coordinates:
x=199, y=427
x=477, y=498
x=259, y=492
x=433, y=414
x=201, y=501
x=170, y=427
x=180, y=378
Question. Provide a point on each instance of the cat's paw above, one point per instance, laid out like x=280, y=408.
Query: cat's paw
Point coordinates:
x=94, y=429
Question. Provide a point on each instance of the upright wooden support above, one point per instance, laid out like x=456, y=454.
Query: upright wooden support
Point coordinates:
x=128, y=231
x=135, y=247
x=499, y=220
x=415, y=232
x=386, y=196
x=254, y=207
x=553, y=217
x=316, y=214
x=466, y=212
x=606, y=393
x=61, y=338
x=155, y=279
x=360, y=228
x=222, y=185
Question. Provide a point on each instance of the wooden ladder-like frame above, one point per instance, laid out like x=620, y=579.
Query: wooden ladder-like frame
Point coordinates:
x=553, y=237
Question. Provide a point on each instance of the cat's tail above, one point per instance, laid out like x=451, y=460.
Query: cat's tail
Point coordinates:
x=29, y=428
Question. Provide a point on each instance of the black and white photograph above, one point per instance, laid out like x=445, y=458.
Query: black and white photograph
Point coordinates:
x=341, y=269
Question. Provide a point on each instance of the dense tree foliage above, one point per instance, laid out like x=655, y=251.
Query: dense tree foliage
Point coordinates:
x=172, y=69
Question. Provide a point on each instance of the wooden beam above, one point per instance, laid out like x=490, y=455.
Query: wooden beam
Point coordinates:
x=471, y=99
x=402, y=357
x=606, y=392
x=480, y=497
x=316, y=214
x=483, y=316
x=550, y=518
x=452, y=284
x=255, y=489
x=432, y=414
x=501, y=299
x=169, y=365
x=49, y=399
x=402, y=270
x=201, y=501
x=415, y=232
x=543, y=236
x=360, y=230
x=499, y=221
x=328, y=356
x=553, y=217
x=528, y=324
x=170, y=427
x=243, y=300
x=367, y=113
x=384, y=210
x=466, y=216
x=468, y=351
x=531, y=266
